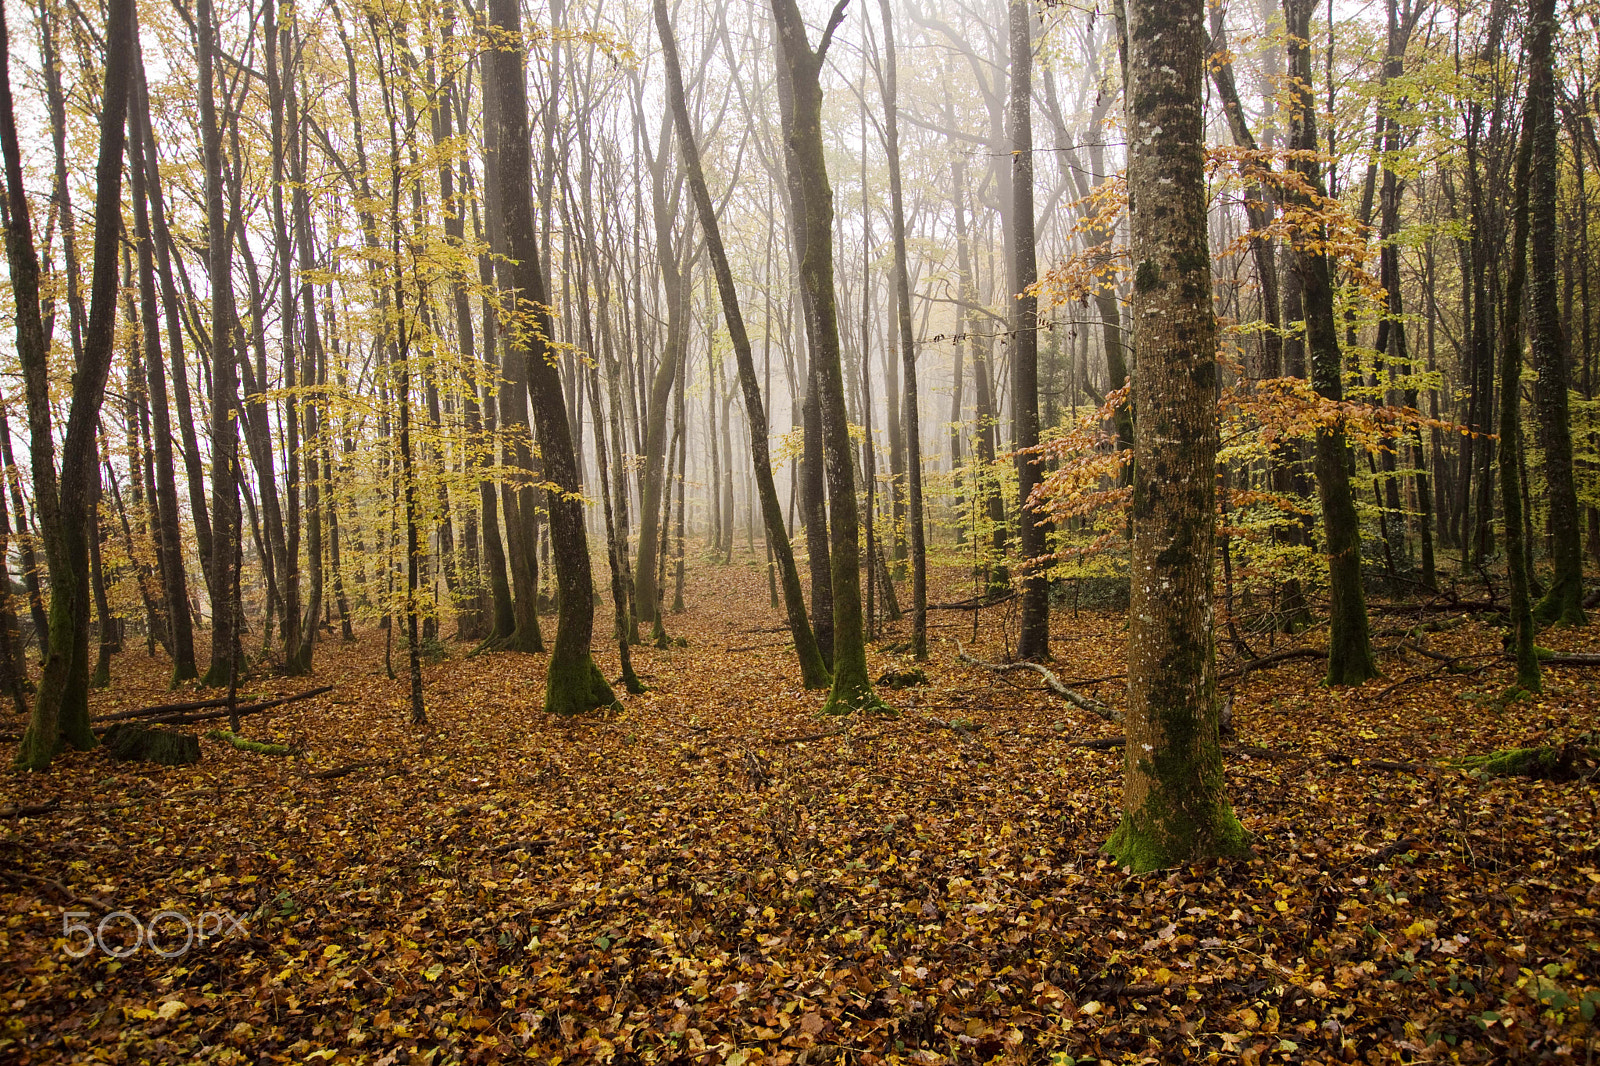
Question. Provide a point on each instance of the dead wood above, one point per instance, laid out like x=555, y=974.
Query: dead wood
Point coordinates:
x=1051, y=683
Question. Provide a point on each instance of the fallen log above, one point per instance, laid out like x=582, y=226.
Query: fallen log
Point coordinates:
x=1571, y=658
x=1051, y=682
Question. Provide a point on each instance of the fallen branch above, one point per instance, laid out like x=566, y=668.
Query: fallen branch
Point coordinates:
x=1438, y=625
x=242, y=709
x=246, y=744
x=30, y=809
x=811, y=736
x=1051, y=682
x=1272, y=659
x=349, y=768
x=66, y=893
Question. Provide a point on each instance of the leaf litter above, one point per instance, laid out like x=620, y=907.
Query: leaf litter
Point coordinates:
x=716, y=875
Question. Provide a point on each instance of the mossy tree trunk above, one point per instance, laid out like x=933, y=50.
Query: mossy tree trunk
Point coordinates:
x=61, y=710
x=1511, y=389
x=801, y=66
x=573, y=683
x=1563, y=600
x=1350, y=659
x=1175, y=808
x=813, y=671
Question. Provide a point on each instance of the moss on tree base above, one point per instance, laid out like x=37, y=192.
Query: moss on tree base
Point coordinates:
x=1143, y=842
x=577, y=687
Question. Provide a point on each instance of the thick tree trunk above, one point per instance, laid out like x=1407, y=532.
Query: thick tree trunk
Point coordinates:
x=1563, y=600
x=1175, y=808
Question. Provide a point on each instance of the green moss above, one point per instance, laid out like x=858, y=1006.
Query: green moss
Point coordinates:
x=1159, y=836
x=1148, y=277
x=246, y=744
x=576, y=688
x=1543, y=763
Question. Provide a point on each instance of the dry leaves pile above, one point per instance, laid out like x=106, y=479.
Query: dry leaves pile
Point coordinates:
x=693, y=881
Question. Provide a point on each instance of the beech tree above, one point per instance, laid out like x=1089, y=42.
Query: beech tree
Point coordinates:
x=1175, y=807
x=61, y=710
x=573, y=683
x=801, y=66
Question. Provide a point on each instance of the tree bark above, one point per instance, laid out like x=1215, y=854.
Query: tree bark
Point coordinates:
x=1511, y=474
x=801, y=66
x=1175, y=808
x=1033, y=642
x=908, y=348
x=573, y=683
x=61, y=710
x=813, y=671
x=1350, y=659
x=1563, y=600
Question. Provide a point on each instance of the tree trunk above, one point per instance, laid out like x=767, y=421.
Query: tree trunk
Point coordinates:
x=225, y=513
x=801, y=66
x=1537, y=45
x=169, y=542
x=573, y=683
x=61, y=710
x=1350, y=659
x=908, y=348
x=1563, y=600
x=1175, y=808
x=813, y=672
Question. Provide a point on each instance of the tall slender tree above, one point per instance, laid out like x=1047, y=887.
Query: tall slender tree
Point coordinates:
x=573, y=683
x=813, y=672
x=1034, y=640
x=801, y=66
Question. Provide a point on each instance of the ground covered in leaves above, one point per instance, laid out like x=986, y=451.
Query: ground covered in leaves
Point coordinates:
x=717, y=875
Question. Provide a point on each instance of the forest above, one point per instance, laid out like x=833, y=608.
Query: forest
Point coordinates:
x=799, y=531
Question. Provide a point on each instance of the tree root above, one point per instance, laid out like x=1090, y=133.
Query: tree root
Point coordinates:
x=1051, y=682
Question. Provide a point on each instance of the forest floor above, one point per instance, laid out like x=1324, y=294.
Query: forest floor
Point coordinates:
x=718, y=875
